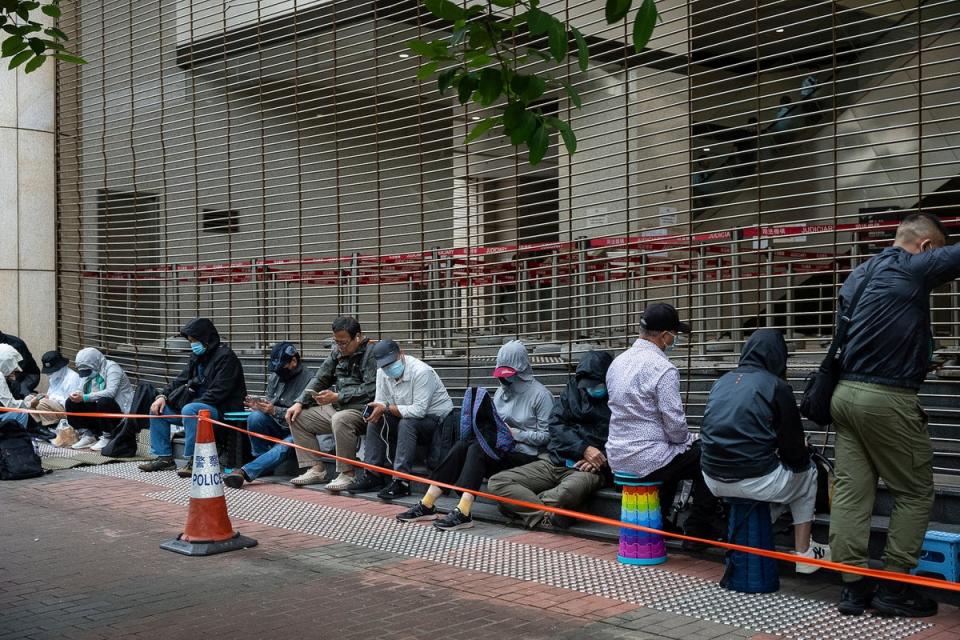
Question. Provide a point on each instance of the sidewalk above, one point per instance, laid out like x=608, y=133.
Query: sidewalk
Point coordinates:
x=82, y=561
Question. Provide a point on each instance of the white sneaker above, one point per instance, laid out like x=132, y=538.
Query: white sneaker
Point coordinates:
x=818, y=552
x=101, y=443
x=341, y=482
x=310, y=476
x=85, y=441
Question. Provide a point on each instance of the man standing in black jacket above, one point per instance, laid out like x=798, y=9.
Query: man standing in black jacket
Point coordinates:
x=752, y=441
x=881, y=428
x=27, y=379
x=577, y=465
x=212, y=380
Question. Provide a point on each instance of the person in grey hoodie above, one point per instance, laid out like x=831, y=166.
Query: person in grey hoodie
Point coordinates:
x=104, y=388
x=9, y=369
x=525, y=406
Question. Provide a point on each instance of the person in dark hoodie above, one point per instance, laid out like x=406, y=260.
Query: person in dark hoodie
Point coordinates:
x=28, y=377
x=577, y=466
x=286, y=381
x=752, y=440
x=213, y=380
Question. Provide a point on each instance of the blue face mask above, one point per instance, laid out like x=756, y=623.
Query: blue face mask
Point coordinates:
x=505, y=382
x=599, y=391
x=676, y=341
x=197, y=348
x=394, y=370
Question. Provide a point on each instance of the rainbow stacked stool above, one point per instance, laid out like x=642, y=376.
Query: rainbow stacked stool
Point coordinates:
x=640, y=505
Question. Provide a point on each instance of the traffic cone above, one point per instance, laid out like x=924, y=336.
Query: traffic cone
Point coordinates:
x=208, y=529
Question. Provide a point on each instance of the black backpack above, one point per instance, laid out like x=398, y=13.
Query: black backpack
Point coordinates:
x=443, y=440
x=18, y=460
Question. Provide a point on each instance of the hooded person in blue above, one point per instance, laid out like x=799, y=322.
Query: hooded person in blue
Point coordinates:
x=577, y=465
x=213, y=380
x=752, y=440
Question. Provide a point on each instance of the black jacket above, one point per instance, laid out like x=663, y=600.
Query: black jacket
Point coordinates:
x=889, y=341
x=579, y=421
x=224, y=386
x=284, y=393
x=28, y=365
x=751, y=423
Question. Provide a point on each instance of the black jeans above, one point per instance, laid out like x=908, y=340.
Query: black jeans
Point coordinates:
x=466, y=465
x=97, y=426
x=686, y=466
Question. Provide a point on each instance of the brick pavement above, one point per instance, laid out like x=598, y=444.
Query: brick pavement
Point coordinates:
x=82, y=561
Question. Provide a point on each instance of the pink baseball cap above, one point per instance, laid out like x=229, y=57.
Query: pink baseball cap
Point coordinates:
x=504, y=372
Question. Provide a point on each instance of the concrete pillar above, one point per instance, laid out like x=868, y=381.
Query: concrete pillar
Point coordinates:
x=28, y=206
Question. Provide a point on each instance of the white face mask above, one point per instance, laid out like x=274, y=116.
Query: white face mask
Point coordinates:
x=676, y=341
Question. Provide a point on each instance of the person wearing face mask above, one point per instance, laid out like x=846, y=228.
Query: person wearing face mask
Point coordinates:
x=28, y=376
x=575, y=466
x=104, y=388
x=881, y=427
x=649, y=436
x=212, y=380
x=61, y=381
x=9, y=369
x=410, y=405
x=752, y=441
x=333, y=402
x=523, y=406
x=286, y=380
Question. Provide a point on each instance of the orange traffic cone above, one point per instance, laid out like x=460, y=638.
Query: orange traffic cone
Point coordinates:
x=208, y=529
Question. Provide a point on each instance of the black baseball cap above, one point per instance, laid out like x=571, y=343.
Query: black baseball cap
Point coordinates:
x=663, y=317
x=53, y=361
x=281, y=355
x=385, y=352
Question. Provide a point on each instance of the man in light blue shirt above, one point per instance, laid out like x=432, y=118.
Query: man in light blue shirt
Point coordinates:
x=410, y=404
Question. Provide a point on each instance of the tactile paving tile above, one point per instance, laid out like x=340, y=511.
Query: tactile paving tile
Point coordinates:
x=773, y=613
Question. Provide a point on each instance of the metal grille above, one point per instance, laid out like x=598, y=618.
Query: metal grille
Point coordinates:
x=271, y=164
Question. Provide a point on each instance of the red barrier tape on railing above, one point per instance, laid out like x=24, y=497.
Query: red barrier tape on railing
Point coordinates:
x=906, y=578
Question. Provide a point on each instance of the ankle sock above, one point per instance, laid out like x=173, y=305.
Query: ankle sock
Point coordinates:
x=465, y=504
x=430, y=498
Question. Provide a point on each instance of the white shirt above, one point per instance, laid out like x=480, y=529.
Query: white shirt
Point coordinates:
x=62, y=383
x=418, y=393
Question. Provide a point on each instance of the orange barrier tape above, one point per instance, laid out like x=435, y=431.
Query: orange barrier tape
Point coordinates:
x=906, y=578
x=48, y=412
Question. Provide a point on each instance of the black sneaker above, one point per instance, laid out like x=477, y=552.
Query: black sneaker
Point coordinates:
x=396, y=489
x=235, y=478
x=366, y=483
x=855, y=597
x=453, y=521
x=418, y=513
x=159, y=464
x=186, y=470
x=903, y=600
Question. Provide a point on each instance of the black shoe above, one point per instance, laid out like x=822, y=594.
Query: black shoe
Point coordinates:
x=396, y=489
x=903, y=600
x=365, y=484
x=186, y=470
x=453, y=521
x=418, y=513
x=235, y=478
x=556, y=521
x=159, y=464
x=855, y=597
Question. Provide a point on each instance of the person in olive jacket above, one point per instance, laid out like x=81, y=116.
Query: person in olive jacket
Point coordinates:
x=577, y=466
x=212, y=380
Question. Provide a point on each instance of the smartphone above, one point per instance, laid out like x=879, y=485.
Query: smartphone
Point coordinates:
x=367, y=412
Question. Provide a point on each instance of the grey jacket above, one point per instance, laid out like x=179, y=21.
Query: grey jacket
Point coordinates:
x=353, y=377
x=116, y=385
x=525, y=404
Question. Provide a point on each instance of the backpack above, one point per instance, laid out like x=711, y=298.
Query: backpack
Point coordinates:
x=480, y=421
x=443, y=440
x=123, y=440
x=825, y=476
x=18, y=460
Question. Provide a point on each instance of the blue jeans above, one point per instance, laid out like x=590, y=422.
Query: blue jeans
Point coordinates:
x=160, y=429
x=268, y=457
x=19, y=418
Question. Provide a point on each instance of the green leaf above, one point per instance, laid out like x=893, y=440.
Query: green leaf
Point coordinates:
x=467, y=85
x=558, y=41
x=583, y=52
x=543, y=56
x=569, y=139
x=491, y=84
x=445, y=9
x=616, y=10
x=51, y=10
x=458, y=36
x=479, y=37
x=20, y=58
x=12, y=46
x=445, y=79
x=643, y=24
x=528, y=87
x=53, y=32
x=420, y=48
x=481, y=128
x=427, y=70
x=69, y=57
x=538, y=143
x=11, y=29
x=34, y=64
x=522, y=124
x=478, y=60
x=539, y=22
x=572, y=93
x=30, y=6
x=23, y=13
x=37, y=45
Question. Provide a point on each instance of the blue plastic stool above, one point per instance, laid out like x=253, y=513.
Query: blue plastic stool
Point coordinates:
x=939, y=555
x=750, y=526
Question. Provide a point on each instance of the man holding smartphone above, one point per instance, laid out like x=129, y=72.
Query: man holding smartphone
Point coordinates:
x=333, y=402
x=410, y=404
